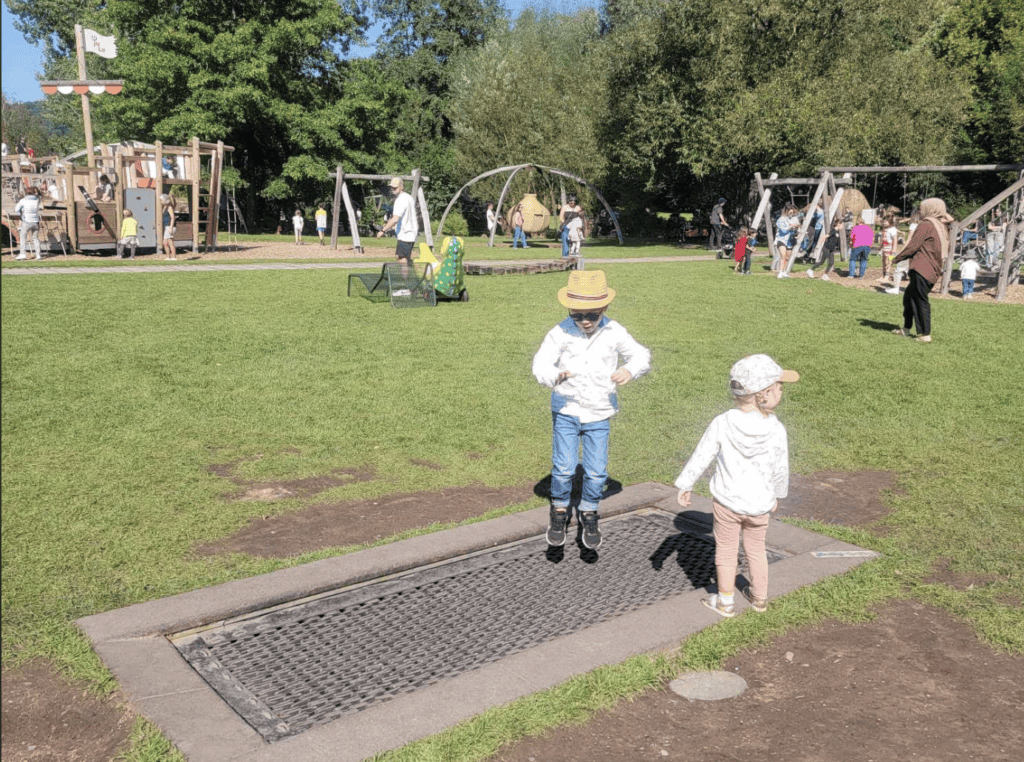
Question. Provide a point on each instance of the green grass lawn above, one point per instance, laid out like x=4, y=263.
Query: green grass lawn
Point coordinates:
x=118, y=393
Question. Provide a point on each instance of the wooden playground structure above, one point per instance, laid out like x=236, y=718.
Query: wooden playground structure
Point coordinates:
x=73, y=218
x=829, y=189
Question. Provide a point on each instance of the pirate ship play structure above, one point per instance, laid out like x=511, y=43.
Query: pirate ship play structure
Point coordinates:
x=74, y=218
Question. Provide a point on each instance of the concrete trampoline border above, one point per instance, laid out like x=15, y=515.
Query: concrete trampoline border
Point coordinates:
x=134, y=642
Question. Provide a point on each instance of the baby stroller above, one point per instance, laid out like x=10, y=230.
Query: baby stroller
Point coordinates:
x=728, y=244
x=448, y=273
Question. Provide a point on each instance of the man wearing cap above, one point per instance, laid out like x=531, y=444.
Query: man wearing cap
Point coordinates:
x=717, y=221
x=579, y=361
x=403, y=217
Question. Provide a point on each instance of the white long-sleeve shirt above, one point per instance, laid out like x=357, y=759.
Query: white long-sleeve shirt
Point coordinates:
x=751, y=456
x=28, y=208
x=589, y=394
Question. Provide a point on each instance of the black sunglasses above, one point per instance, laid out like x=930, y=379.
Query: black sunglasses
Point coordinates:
x=591, y=317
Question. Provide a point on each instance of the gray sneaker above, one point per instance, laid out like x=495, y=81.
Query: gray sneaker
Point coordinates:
x=591, y=534
x=558, y=519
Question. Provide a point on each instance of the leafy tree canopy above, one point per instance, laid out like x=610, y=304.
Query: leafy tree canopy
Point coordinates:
x=534, y=93
x=724, y=88
x=266, y=77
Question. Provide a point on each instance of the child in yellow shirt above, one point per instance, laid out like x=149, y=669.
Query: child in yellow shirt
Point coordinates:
x=129, y=234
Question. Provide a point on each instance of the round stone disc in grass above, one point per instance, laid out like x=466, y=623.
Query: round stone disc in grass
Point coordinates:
x=708, y=686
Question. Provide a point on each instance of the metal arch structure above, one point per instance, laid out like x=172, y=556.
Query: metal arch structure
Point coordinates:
x=514, y=170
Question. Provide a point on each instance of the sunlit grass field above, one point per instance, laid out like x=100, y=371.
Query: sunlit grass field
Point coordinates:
x=119, y=392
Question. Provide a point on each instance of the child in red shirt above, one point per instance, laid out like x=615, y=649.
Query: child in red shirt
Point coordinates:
x=744, y=248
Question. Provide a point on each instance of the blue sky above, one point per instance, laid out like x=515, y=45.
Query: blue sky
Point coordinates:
x=22, y=61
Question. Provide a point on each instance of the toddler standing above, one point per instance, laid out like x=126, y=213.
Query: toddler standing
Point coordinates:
x=968, y=273
x=751, y=453
x=742, y=252
x=129, y=235
x=579, y=360
x=574, y=225
x=321, y=222
x=890, y=236
x=298, y=223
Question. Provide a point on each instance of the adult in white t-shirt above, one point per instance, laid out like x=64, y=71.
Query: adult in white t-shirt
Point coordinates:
x=403, y=218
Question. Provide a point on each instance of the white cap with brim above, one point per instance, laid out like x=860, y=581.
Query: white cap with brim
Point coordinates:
x=757, y=372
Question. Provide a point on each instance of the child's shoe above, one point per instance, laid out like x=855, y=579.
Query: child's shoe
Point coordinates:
x=825, y=277
x=810, y=272
x=558, y=519
x=591, y=534
x=715, y=604
x=759, y=605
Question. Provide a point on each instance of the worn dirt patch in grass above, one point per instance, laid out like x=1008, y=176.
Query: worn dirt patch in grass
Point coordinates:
x=47, y=718
x=849, y=498
x=277, y=489
x=912, y=684
x=832, y=497
x=360, y=521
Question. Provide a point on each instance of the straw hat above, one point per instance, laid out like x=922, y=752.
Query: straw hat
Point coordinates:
x=587, y=289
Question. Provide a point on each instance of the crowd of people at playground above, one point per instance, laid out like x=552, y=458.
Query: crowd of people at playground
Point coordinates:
x=978, y=248
x=981, y=244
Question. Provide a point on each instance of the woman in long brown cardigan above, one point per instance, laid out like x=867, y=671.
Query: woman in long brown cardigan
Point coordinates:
x=925, y=251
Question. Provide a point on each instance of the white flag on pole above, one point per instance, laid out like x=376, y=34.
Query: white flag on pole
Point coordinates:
x=100, y=45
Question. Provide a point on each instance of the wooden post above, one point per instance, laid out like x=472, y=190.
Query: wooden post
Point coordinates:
x=158, y=186
x=196, y=170
x=357, y=242
x=118, y=196
x=339, y=178
x=1009, y=255
x=86, y=118
x=415, y=190
x=947, y=265
x=71, y=213
x=766, y=200
x=213, y=213
x=426, y=217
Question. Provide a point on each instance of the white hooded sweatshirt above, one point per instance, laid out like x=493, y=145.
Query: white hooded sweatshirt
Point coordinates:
x=751, y=455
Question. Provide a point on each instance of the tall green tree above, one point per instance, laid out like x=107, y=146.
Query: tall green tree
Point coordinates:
x=419, y=40
x=723, y=88
x=267, y=77
x=984, y=41
x=534, y=93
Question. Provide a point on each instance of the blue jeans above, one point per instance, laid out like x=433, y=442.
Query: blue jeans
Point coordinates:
x=519, y=234
x=565, y=242
x=861, y=253
x=568, y=434
x=968, y=284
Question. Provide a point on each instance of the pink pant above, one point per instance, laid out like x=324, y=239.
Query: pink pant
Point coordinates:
x=728, y=526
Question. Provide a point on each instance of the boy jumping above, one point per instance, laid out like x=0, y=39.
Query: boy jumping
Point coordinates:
x=579, y=360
